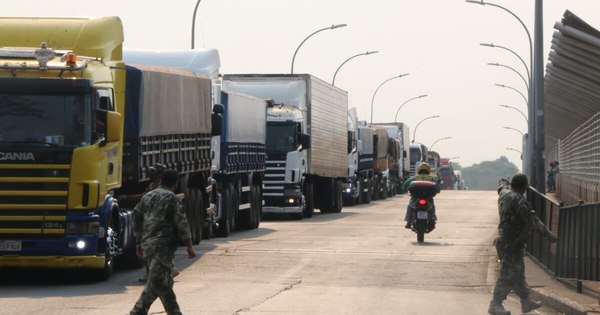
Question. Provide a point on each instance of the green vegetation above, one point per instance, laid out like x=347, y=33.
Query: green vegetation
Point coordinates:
x=485, y=175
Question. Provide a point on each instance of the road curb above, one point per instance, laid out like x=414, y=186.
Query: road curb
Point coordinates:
x=562, y=304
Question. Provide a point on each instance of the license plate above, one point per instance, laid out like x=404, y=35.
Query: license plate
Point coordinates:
x=10, y=246
x=422, y=215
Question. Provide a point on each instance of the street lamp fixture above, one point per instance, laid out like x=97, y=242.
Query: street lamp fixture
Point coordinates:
x=343, y=63
x=380, y=85
x=408, y=100
x=511, y=149
x=511, y=68
x=309, y=36
x=415, y=132
x=194, y=22
x=438, y=140
x=512, y=88
x=522, y=114
x=515, y=129
x=514, y=53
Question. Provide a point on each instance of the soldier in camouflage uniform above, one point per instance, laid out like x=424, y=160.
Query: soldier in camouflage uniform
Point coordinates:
x=160, y=223
x=517, y=222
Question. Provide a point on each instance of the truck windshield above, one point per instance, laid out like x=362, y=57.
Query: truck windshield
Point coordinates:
x=45, y=120
x=281, y=138
x=415, y=155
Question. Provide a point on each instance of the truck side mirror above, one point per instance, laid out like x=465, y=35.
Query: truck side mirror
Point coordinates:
x=217, y=119
x=304, y=140
x=114, y=127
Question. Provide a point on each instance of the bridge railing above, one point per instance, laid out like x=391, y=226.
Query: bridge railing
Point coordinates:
x=576, y=254
x=579, y=159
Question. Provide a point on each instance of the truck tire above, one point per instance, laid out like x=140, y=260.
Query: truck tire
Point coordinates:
x=191, y=213
x=256, y=206
x=369, y=193
x=111, y=247
x=309, y=200
x=199, y=216
x=337, y=196
x=375, y=194
x=236, y=190
x=224, y=210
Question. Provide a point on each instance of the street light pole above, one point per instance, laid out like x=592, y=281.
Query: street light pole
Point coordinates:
x=380, y=85
x=438, y=140
x=408, y=100
x=513, y=69
x=514, y=53
x=194, y=22
x=343, y=63
x=522, y=114
x=309, y=36
x=415, y=132
x=512, y=88
x=515, y=129
x=539, y=146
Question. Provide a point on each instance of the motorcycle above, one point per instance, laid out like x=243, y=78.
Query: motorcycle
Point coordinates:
x=422, y=219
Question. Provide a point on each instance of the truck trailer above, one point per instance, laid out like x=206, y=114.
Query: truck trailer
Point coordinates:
x=306, y=141
x=238, y=146
x=75, y=142
x=399, y=131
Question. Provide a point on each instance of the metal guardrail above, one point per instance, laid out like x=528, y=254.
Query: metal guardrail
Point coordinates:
x=576, y=254
x=538, y=247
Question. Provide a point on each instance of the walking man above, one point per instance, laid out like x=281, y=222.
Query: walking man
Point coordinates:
x=517, y=222
x=160, y=223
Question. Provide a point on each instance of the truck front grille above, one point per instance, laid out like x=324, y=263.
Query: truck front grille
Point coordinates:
x=33, y=199
x=274, y=178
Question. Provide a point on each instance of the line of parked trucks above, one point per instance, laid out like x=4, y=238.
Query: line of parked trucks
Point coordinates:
x=83, y=122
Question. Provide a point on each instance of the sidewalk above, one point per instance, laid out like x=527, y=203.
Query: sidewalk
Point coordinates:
x=562, y=295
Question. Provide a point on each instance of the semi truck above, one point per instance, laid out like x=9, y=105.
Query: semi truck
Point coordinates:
x=365, y=162
x=74, y=142
x=238, y=146
x=351, y=186
x=306, y=141
x=418, y=153
x=400, y=132
x=380, y=163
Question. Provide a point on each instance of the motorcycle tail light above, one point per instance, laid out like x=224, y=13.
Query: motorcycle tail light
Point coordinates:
x=422, y=202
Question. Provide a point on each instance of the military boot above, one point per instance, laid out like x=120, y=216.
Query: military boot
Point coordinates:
x=528, y=305
x=496, y=308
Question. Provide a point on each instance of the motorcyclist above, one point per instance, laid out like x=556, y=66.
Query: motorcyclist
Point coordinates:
x=423, y=174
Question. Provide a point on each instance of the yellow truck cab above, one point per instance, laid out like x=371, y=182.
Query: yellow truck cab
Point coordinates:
x=62, y=94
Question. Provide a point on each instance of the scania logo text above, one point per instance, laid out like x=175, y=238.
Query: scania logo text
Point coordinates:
x=17, y=156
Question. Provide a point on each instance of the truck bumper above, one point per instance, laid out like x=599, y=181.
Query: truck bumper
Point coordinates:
x=58, y=262
x=267, y=209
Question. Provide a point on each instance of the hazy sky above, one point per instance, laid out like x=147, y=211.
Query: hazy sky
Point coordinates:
x=436, y=41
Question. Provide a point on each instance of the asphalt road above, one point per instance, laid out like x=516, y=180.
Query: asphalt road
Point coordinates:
x=360, y=261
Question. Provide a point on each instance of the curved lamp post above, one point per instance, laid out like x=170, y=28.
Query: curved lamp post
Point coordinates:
x=522, y=114
x=343, y=63
x=511, y=68
x=516, y=17
x=380, y=85
x=309, y=36
x=515, y=129
x=408, y=100
x=512, y=88
x=194, y=22
x=415, y=132
x=514, y=53
x=438, y=140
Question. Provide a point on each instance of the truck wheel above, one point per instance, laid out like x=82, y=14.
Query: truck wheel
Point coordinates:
x=337, y=196
x=224, y=200
x=309, y=204
x=369, y=193
x=199, y=216
x=190, y=212
x=256, y=206
x=359, y=188
x=235, y=205
x=111, y=248
x=375, y=194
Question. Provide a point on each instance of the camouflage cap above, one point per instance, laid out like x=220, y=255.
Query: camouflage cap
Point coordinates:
x=519, y=181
